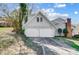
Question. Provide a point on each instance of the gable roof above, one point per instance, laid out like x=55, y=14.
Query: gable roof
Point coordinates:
x=59, y=18
x=39, y=12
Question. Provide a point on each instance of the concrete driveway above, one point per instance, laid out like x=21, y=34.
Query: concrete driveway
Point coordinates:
x=51, y=46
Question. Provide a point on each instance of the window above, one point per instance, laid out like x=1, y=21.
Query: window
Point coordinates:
x=41, y=19
x=37, y=19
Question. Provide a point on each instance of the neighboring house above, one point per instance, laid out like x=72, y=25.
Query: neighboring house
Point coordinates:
x=38, y=25
x=4, y=22
x=59, y=23
x=76, y=29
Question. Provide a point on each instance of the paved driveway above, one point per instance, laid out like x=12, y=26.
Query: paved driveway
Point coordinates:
x=51, y=46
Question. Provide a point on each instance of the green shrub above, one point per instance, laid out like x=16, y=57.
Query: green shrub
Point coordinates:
x=60, y=31
x=76, y=36
x=65, y=31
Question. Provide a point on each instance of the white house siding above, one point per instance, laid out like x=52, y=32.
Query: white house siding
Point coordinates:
x=59, y=23
x=62, y=26
x=39, y=29
x=75, y=30
x=34, y=24
x=45, y=28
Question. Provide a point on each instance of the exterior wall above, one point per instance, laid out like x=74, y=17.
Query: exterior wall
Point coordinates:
x=59, y=23
x=34, y=24
x=39, y=29
x=5, y=24
x=62, y=26
x=78, y=28
x=75, y=30
x=44, y=28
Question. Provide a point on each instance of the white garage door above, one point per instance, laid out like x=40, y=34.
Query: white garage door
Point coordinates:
x=40, y=32
x=47, y=33
x=32, y=32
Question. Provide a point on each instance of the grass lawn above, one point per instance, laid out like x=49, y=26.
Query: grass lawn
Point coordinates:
x=75, y=43
x=12, y=43
x=5, y=28
x=4, y=37
x=71, y=42
x=6, y=40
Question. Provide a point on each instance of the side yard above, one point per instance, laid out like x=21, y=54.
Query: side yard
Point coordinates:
x=15, y=44
x=74, y=43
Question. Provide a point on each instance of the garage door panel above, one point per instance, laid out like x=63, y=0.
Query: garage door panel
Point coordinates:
x=46, y=33
x=32, y=32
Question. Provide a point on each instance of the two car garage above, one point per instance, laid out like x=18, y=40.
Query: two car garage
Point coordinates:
x=40, y=32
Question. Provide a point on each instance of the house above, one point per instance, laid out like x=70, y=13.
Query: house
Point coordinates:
x=78, y=28
x=38, y=25
x=59, y=23
x=4, y=22
x=75, y=29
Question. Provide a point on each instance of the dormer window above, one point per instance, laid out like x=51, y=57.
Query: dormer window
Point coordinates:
x=37, y=19
x=41, y=19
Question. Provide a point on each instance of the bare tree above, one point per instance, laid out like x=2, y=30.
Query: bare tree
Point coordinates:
x=11, y=16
